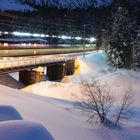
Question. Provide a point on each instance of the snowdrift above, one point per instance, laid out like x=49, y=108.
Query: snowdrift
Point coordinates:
x=23, y=130
x=9, y=113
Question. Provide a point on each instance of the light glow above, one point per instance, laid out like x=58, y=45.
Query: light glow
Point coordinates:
x=36, y=35
x=6, y=33
x=92, y=39
x=21, y=34
x=78, y=38
x=65, y=37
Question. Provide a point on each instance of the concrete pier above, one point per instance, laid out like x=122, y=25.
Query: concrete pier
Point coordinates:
x=28, y=77
x=56, y=72
x=70, y=67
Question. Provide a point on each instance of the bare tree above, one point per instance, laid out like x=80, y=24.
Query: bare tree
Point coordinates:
x=98, y=100
x=125, y=109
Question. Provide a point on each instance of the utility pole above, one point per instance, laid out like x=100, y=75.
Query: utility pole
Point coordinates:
x=84, y=40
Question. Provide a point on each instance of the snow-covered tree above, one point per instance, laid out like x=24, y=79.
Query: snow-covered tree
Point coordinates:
x=121, y=38
x=136, y=52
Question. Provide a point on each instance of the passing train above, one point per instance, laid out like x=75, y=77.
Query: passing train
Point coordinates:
x=29, y=43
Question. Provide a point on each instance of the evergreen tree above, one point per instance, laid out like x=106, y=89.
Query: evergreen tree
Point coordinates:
x=121, y=38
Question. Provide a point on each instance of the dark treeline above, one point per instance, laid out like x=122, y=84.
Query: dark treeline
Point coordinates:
x=53, y=20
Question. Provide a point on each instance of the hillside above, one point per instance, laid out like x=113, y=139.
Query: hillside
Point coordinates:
x=24, y=5
x=13, y=5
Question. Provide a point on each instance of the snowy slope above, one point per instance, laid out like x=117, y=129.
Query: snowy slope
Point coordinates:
x=13, y=5
x=62, y=121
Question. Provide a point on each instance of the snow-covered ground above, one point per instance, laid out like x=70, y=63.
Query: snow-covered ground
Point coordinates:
x=50, y=103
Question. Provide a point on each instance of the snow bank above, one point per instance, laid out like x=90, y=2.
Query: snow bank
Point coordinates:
x=23, y=130
x=93, y=62
x=54, y=89
x=9, y=113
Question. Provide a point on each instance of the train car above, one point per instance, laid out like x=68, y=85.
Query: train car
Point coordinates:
x=17, y=43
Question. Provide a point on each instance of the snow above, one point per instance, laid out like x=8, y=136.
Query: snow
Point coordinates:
x=13, y=5
x=9, y=113
x=50, y=103
x=56, y=117
x=23, y=130
x=92, y=66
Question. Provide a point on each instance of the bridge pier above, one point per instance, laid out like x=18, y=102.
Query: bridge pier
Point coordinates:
x=56, y=72
x=28, y=77
x=70, y=67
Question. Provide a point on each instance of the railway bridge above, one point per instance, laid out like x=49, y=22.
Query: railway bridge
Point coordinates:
x=55, y=62
x=32, y=68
